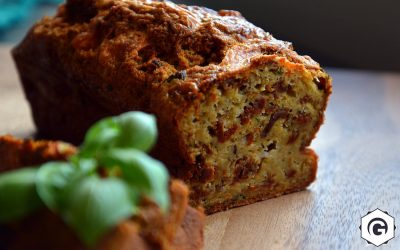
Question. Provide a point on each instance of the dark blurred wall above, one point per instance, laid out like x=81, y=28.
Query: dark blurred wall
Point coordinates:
x=342, y=33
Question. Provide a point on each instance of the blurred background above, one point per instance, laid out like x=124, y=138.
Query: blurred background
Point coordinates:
x=360, y=34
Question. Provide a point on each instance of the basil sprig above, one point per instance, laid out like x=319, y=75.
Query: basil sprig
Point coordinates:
x=90, y=203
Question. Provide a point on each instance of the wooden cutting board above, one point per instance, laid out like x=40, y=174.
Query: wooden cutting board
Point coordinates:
x=359, y=169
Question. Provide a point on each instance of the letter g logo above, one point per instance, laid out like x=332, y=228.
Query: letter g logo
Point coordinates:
x=377, y=224
x=377, y=227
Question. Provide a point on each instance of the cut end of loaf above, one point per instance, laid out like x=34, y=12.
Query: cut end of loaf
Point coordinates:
x=248, y=137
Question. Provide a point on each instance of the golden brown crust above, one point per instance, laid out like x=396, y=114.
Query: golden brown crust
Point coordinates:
x=16, y=153
x=111, y=56
x=150, y=229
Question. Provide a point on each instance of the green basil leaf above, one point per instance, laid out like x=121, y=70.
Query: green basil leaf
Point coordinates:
x=138, y=130
x=18, y=195
x=131, y=167
x=94, y=206
x=53, y=177
x=142, y=172
x=129, y=130
x=85, y=167
x=101, y=136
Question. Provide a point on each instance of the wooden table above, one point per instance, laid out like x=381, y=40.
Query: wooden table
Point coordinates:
x=359, y=169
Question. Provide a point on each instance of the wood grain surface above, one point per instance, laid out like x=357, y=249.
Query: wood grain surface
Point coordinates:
x=359, y=169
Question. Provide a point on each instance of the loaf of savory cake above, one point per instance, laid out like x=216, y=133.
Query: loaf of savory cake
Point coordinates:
x=181, y=229
x=236, y=108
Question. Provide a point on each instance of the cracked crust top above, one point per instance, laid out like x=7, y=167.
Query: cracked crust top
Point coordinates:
x=160, y=41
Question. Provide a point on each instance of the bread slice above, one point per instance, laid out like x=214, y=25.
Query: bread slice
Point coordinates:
x=236, y=108
x=150, y=229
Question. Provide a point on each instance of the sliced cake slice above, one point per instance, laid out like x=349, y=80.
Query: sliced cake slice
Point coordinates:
x=181, y=228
